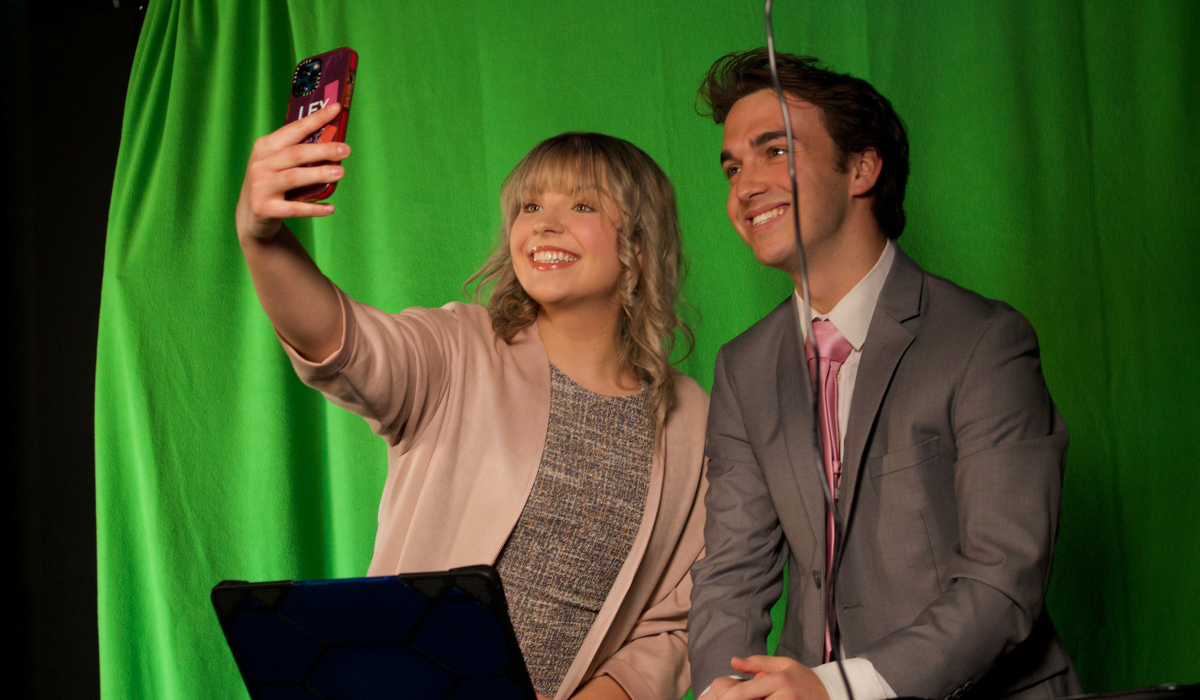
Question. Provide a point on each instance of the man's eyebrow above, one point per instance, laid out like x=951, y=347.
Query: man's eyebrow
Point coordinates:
x=767, y=137
x=764, y=137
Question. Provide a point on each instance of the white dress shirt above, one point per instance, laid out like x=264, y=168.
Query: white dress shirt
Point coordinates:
x=852, y=317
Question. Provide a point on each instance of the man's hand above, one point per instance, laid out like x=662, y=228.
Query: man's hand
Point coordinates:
x=718, y=688
x=775, y=677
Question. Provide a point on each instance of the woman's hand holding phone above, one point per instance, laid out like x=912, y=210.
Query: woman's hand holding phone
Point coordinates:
x=280, y=162
x=301, y=303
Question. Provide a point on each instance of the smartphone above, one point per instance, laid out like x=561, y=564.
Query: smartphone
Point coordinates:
x=317, y=81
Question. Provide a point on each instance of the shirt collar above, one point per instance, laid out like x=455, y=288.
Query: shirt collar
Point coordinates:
x=852, y=315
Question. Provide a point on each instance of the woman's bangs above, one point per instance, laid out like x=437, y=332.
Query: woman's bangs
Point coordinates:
x=572, y=171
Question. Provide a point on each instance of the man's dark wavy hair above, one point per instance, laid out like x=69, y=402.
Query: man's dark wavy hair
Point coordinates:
x=856, y=116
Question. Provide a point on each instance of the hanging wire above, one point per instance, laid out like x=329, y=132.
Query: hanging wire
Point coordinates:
x=807, y=328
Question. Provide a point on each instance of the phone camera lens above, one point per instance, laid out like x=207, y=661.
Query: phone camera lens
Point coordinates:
x=307, y=78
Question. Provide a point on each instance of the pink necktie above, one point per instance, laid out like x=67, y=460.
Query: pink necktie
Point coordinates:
x=834, y=350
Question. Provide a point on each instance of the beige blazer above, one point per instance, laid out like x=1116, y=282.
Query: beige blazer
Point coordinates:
x=464, y=415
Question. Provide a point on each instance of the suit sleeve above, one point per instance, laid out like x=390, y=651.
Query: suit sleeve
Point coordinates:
x=741, y=574
x=389, y=369
x=1011, y=445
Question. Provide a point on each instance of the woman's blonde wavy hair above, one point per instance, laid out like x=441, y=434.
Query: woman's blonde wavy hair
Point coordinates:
x=648, y=223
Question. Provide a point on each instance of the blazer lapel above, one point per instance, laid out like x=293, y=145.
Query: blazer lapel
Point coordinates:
x=796, y=415
x=887, y=340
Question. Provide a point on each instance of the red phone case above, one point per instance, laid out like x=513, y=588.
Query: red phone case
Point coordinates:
x=316, y=82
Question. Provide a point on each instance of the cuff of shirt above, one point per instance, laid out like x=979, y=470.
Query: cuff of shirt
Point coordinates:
x=739, y=677
x=864, y=680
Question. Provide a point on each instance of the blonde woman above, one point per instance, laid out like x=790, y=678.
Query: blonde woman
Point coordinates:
x=545, y=433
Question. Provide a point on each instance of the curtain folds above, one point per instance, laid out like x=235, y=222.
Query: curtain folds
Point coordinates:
x=1052, y=166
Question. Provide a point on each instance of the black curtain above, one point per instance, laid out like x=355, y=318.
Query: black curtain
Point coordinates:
x=68, y=66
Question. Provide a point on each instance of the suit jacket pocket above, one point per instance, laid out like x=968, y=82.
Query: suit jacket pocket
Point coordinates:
x=903, y=459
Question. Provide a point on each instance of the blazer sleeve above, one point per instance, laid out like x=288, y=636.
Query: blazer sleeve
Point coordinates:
x=652, y=662
x=1011, y=445
x=741, y=574
x=389, y=369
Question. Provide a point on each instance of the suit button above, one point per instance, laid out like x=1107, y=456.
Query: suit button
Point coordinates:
x=817, y=578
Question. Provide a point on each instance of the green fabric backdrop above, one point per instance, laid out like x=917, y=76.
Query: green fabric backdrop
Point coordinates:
x=1053, y=166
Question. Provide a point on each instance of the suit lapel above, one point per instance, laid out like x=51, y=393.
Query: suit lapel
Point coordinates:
x=887, y=340
x=796, y=415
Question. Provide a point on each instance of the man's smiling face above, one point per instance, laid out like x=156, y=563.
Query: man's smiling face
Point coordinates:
x=754, y=158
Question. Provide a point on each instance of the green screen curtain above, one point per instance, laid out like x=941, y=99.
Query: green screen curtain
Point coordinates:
x=1053, y=166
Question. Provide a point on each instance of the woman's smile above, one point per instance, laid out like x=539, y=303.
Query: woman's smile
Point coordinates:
x=546, y=257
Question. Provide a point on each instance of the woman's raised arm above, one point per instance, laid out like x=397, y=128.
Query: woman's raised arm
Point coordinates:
x=298, y=298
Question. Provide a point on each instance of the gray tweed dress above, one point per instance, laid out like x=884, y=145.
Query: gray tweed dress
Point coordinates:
x=578, y=525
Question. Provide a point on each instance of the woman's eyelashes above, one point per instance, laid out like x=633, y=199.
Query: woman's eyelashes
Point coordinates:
x=582, y=207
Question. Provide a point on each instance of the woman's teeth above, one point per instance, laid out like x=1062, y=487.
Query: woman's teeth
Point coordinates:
x=766, y=216
x=553, y=256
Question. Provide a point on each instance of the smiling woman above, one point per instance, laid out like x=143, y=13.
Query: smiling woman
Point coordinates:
x=547, y=433
x=591, y=238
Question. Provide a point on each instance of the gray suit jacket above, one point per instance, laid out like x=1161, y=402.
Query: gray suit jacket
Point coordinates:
x=950, y=491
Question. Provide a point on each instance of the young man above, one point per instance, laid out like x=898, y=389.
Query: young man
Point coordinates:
x=940, y=436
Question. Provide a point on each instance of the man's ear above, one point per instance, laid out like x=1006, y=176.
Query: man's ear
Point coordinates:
x=864, y=171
